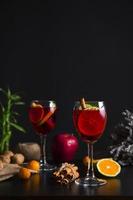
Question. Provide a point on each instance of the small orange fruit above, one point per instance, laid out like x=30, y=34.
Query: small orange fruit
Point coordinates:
x=86, y=160
x=24, y=173
x=108, y=167
x=34, y=165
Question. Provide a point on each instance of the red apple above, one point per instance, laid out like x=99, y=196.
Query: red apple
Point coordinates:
x=64, y=147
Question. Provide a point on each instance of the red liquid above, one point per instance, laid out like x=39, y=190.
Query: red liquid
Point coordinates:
x=42, y=118
x=90, y=123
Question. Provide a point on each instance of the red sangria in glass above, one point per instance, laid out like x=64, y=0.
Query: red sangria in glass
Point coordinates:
x=42, y=115
x=90, y=120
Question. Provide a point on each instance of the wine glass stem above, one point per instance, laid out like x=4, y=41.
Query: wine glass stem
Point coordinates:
x=90, y=171
x=43, y=150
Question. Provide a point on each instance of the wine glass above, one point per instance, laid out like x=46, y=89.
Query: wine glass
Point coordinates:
x=90, y=120
x=42, y=115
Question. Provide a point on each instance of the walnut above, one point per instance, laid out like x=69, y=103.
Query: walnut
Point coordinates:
x=18, y=158
x=9, y=153
x=5, y=159
x=1, y=165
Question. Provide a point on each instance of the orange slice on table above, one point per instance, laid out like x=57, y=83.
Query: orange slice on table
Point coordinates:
x=36, y=113
x=108, y=167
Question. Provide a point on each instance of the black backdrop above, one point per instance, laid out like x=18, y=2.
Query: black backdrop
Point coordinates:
x=64, y=50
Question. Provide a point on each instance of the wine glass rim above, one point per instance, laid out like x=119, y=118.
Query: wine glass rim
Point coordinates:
x=48, y=103
x=40, y=100
x=100, y=103
x=91, y=101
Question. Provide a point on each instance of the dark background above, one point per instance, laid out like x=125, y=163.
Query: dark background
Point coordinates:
x=64, y=50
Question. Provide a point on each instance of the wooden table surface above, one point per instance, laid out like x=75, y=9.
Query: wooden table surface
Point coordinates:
x=44, y=186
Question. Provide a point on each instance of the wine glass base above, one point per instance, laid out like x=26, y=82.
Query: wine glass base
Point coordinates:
x=92, y=182
x=47, y=167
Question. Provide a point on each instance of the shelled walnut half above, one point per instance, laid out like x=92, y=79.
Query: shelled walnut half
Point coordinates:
x=67, y=173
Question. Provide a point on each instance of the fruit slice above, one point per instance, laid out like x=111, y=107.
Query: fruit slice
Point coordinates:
x=36, y=113
x=108, y=167
x=91, y=107
x=47, y=116
x=90, y=122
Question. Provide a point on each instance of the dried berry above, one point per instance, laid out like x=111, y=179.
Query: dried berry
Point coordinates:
x=24, y=173
x=33, y=165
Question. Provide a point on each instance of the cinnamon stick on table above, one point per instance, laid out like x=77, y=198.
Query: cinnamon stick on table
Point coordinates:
x=66, y=173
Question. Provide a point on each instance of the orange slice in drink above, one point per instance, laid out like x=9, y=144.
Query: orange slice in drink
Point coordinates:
x=36, y=113
x=47, y=116
x=91, y=122
x=86, y=123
